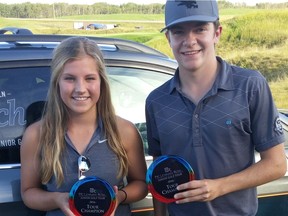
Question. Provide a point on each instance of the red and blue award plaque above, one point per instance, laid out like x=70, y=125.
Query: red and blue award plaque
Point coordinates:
x=91, y=196
x=165, y=174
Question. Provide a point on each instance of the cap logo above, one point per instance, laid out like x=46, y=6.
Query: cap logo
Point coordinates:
x=188, y=4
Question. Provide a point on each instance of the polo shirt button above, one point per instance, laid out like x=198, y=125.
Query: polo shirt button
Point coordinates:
x=196, y=115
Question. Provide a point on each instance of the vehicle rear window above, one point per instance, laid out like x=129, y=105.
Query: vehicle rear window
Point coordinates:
x=130, y=88
x=22, y=96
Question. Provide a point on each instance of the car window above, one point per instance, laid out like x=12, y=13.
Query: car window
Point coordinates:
x=22, y=96
x=23, y=93
x=129, y=89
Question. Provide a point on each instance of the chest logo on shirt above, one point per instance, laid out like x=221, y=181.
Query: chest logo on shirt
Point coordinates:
x=102, y=141
x=228, y=122
x=278, y=126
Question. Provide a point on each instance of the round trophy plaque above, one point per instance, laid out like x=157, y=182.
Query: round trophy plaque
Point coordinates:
x=92, y=196
x=165, y=174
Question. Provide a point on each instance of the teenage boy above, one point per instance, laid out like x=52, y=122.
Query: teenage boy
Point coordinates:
x=214, y=115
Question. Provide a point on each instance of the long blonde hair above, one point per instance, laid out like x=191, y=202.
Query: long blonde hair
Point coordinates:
x=55, y=118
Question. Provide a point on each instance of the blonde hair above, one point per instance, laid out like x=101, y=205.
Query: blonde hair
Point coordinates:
x=55, y=116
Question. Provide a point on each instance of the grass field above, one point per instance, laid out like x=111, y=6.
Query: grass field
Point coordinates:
x=251, y=38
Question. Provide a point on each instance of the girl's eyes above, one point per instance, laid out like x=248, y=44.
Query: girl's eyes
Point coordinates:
x=90, y=78
x=73, y=78
x=69, y=78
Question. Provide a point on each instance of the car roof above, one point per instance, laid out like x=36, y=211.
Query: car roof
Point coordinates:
x=112, y=49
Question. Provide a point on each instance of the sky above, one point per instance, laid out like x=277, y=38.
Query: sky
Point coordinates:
x=118, y=2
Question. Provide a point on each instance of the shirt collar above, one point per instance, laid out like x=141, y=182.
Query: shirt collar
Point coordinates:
x=175, y=82
x=224, y=79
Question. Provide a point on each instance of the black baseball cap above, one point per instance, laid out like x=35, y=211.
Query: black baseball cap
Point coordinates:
x=177, y=11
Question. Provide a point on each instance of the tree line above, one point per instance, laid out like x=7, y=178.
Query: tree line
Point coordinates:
x=38, y=10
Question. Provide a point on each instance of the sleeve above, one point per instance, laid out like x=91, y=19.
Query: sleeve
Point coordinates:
x=266, y=127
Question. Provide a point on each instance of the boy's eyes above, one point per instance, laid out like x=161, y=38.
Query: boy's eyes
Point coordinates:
x=177, y=32
x=196, y=30
x=200, y=29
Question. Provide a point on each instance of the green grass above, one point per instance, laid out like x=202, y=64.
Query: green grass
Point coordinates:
x=237, y=11
x=260, y=41
x=252, y=38
x=118, y=17
x=267, y=29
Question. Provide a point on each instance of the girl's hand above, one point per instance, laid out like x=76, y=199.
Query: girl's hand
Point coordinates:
x=117, y=200
x=62, y=200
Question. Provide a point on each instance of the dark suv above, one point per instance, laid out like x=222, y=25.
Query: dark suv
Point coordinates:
x=134, y=70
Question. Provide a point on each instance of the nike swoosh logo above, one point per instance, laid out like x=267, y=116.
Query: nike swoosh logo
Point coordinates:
x=102, y=141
